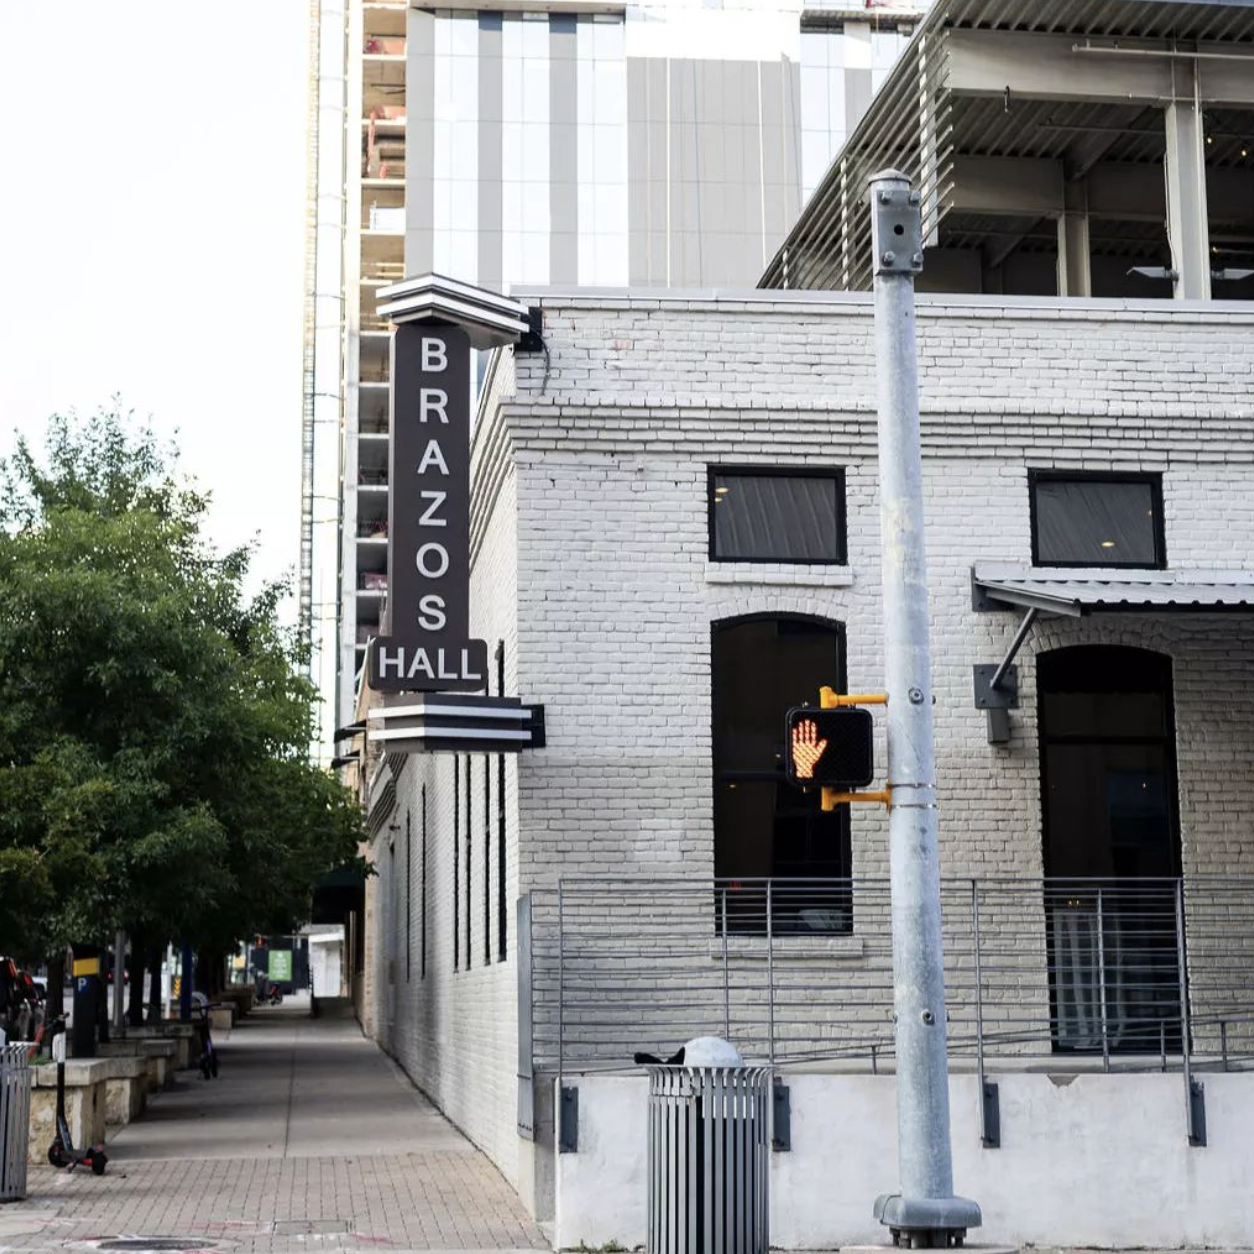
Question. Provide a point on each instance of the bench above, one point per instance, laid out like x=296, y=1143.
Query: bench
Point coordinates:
x=241, y=996
x=126, y=1090
x=183, y=1036
x=221, y=1019
x=159, y=1056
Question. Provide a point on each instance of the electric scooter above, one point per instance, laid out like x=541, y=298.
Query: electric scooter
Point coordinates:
x=61, y=1153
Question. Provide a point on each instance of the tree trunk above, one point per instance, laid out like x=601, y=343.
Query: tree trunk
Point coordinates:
x=135, y=974
x=154, y=988
x=56, y=985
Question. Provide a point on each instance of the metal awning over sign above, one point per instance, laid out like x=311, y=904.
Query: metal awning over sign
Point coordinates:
x=429, y=722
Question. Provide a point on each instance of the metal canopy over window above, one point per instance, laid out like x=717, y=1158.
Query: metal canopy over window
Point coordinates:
x=1100, y=590
x=1076, y=593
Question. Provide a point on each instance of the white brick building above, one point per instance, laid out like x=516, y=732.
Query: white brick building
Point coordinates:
x=592, y=503
x=675, y=536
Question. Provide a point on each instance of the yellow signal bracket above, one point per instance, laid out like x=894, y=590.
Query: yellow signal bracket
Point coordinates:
x=830, y=699
x=832, y=798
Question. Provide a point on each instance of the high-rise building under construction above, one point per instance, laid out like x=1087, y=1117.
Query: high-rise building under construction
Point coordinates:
x=577, y=142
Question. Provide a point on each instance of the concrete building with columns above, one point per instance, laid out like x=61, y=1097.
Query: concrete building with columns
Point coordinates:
x=675, y=538
x=1060, y=149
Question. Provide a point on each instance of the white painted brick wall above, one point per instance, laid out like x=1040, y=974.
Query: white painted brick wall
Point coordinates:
x=592, y=563
x=617, y=595
x=455, y=1032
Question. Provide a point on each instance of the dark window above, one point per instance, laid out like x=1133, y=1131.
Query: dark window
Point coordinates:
x=502, y=914
x=393, y=911
x=1111, y=847
x=487, y=860
x=777, y=515
x=423, y=967
x=502, y=909
x=409, y=884
x=457, y=835
x=469, y=856
x=764, y=828
x=1097, y=520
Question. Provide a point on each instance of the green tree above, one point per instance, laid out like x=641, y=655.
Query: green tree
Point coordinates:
x=154, y=721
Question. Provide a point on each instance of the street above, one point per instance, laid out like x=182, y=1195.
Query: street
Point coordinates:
x=311, y=1137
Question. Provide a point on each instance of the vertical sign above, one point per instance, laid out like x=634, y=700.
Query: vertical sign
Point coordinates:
x=428, y=648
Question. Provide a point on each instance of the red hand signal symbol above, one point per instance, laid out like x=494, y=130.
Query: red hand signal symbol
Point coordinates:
x=807, y=748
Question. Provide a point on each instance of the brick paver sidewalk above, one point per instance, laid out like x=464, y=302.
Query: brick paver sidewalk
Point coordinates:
x=309, y=1141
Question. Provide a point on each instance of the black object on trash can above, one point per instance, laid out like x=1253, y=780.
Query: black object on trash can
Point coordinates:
x=709, y=1152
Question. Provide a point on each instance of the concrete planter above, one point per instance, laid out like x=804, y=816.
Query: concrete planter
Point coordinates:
x=241, y=996
x=126, y=1090
x=161, y=1059
x=157, y=1054
x=182, y=1035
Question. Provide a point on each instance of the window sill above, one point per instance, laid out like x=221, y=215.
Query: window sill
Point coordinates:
x=791, y=946
x=779, y=574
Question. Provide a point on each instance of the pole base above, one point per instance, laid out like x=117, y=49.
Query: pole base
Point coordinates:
x=927, y=1223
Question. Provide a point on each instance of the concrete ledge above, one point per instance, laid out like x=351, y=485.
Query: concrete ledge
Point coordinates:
x=126, y=1090
x=162, y=1058
x=167, y=1029
x=241, y=996
x=221, y=1019
x=1059, y=1179
x=157, y=1054
x=815, y=947
x=182, y=1035
x=780, y=574
x=79, y=1072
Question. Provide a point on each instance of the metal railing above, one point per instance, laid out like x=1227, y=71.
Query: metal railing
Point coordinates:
x=1116, y=974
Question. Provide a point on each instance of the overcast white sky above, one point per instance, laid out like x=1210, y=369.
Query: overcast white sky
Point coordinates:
x=152, y=164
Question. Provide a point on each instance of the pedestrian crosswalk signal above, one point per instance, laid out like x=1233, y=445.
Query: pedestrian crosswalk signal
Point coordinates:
x=829, y=748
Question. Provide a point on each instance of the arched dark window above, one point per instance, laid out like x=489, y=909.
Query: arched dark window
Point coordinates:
x=762, y=666
x=1108, y=763
x=1111, y=846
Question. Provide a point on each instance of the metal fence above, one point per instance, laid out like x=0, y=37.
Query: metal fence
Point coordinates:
x=1091, y=973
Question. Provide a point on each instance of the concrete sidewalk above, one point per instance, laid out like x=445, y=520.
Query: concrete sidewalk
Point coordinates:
x=310, y=1138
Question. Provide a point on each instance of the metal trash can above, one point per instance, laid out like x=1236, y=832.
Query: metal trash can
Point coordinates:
x=709, y=1159
x=15, y=1081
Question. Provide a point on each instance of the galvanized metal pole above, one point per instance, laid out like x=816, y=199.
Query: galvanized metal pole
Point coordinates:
x=726, y=972
x=1101, y=980
x=1194, y=1106
x=925, y=1210
x=987, y=1137
x=770, y=975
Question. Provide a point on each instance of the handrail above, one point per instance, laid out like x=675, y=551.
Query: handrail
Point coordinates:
x=1077, y=972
